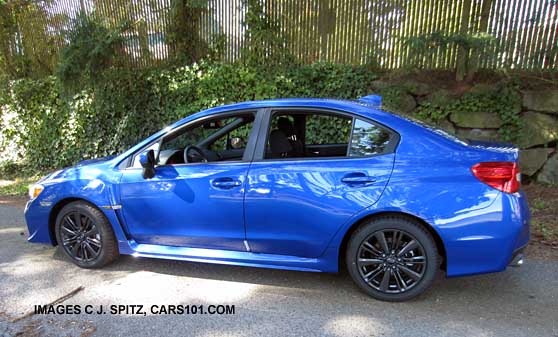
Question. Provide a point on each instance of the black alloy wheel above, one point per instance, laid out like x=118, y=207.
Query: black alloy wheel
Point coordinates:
x=391, y=261
x=85, y=235
x=80, y=237
x=392, y=258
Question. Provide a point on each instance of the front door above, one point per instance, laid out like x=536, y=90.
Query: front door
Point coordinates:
x=196, y=197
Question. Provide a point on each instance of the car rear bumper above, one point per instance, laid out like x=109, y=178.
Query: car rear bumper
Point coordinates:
x=489, y=241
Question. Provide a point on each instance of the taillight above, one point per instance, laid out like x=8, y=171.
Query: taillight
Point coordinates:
x=503, y=176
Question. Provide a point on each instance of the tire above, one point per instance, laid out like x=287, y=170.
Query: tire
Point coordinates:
x=85, y=235
x=407, y=255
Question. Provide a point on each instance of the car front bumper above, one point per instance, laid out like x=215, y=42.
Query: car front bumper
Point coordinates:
x=36, y=218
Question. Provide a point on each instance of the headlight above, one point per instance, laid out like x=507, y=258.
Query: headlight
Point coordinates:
x=35, y=190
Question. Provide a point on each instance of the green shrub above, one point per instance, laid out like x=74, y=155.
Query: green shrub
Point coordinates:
x=38, y=126
x=124, y=106
x=397, y=99
x=437, y=106
x=91, y=50
x=264, y=43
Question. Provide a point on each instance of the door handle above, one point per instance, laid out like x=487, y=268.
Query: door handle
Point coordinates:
x=357, y=178
x=226, y=183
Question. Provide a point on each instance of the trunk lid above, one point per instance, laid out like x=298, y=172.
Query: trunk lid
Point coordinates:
x=500, y=150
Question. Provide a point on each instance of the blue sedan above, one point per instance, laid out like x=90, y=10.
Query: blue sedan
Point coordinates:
x=300, y=184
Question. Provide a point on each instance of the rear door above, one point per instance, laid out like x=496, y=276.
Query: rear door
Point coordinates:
x=296, y=200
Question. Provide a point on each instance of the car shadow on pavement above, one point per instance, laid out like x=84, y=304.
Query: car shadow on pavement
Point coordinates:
x=480, y=286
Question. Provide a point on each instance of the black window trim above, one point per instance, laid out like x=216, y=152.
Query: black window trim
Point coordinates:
x=267, y=115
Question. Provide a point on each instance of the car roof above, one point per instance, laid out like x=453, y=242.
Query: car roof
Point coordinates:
x=324, y=103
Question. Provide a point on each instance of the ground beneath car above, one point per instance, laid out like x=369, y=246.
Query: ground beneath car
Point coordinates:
x=519, y=302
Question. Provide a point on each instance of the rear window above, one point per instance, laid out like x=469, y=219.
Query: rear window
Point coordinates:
x=434, y=128
x=427, y=125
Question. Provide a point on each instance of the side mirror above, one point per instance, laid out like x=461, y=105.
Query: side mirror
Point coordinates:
x=237, y=143
x=147, y=161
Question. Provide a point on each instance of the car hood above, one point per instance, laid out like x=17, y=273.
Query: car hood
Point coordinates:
x=72, y=171
x=80, y=164
x=94, y=161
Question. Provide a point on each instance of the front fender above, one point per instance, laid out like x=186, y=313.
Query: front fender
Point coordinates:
x=94, y=184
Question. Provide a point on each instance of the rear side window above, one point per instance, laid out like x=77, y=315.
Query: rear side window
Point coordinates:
x=328, y=129
x=317, y=134
x=368, y=139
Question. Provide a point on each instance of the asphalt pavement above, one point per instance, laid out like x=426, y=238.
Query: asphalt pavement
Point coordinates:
x=518, y=302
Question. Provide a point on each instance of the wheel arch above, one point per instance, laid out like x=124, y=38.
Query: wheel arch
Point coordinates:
x=56, y=210
x=437, y=239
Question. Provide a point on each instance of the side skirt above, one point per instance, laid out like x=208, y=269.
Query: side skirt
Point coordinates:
x=228, y=257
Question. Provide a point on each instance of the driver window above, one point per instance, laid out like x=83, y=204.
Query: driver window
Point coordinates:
x=218, y=139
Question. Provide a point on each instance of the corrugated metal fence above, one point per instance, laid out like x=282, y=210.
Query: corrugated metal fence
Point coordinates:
x=344, y=31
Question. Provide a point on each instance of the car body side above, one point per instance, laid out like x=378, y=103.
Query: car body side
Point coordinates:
x=478, y=228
